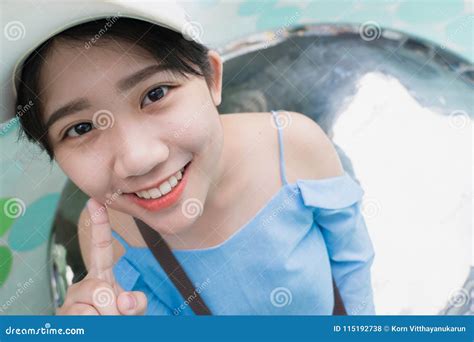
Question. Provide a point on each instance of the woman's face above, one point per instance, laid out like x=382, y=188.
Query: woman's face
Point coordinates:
x=131, y=129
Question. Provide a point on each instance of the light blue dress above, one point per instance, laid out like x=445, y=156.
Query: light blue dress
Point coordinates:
x=279, y=263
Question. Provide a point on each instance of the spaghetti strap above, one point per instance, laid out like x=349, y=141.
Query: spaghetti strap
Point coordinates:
x=120, y=239
x=280, y=125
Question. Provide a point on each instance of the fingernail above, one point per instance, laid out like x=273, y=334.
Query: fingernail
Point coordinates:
x=90, y=206
x=131, y=302
x=88, y=203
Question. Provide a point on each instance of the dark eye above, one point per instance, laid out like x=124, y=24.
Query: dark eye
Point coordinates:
x=79, y=129
x=156, y=94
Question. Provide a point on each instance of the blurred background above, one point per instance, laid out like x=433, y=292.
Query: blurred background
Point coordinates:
x=391, y=82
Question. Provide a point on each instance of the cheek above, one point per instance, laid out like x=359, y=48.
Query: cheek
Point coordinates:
x=194, y=131
x=195, y=118
x=88, y=174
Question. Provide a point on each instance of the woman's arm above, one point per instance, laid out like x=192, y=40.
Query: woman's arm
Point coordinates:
x=310, y=154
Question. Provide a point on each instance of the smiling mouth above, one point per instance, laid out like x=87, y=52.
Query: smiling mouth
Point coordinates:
x=164, y=187
x=165, y=194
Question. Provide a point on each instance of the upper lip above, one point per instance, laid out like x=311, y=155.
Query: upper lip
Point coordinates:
x=155, y=184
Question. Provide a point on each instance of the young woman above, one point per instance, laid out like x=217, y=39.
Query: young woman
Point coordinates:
x=256, y=207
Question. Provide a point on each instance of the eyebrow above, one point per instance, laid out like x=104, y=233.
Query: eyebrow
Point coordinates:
x=140, y=76
x=68, y=109
x=123, y=85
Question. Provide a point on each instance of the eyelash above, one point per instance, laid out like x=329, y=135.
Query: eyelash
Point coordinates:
x=170, y=87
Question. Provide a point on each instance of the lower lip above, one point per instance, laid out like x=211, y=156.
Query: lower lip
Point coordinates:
x=164, y=201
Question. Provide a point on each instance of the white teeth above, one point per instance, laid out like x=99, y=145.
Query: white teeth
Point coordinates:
x=173, y=180
x=164, y=187
x=155, y=193
x=145, y=194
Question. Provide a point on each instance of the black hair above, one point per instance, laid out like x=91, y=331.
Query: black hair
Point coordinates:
x=169, y=47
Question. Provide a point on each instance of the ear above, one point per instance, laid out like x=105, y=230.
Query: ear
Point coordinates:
x=216, y=65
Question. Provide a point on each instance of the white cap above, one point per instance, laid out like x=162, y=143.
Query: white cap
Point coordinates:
x=27, y=24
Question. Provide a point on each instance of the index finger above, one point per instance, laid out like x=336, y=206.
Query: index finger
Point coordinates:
x=101, y=251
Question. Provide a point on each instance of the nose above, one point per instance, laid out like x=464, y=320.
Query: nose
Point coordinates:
x=138, y=150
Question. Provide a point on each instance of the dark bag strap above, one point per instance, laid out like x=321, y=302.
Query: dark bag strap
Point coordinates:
x=173, y=269
x=339, y=309
x=178, y=276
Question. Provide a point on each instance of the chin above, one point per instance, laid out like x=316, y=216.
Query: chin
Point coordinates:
x=173, y=226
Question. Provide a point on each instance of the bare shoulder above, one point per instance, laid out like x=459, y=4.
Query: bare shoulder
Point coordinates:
x=308, y=151
x=84, y=234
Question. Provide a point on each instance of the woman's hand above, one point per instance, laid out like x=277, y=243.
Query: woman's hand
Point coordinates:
x=99, y=293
